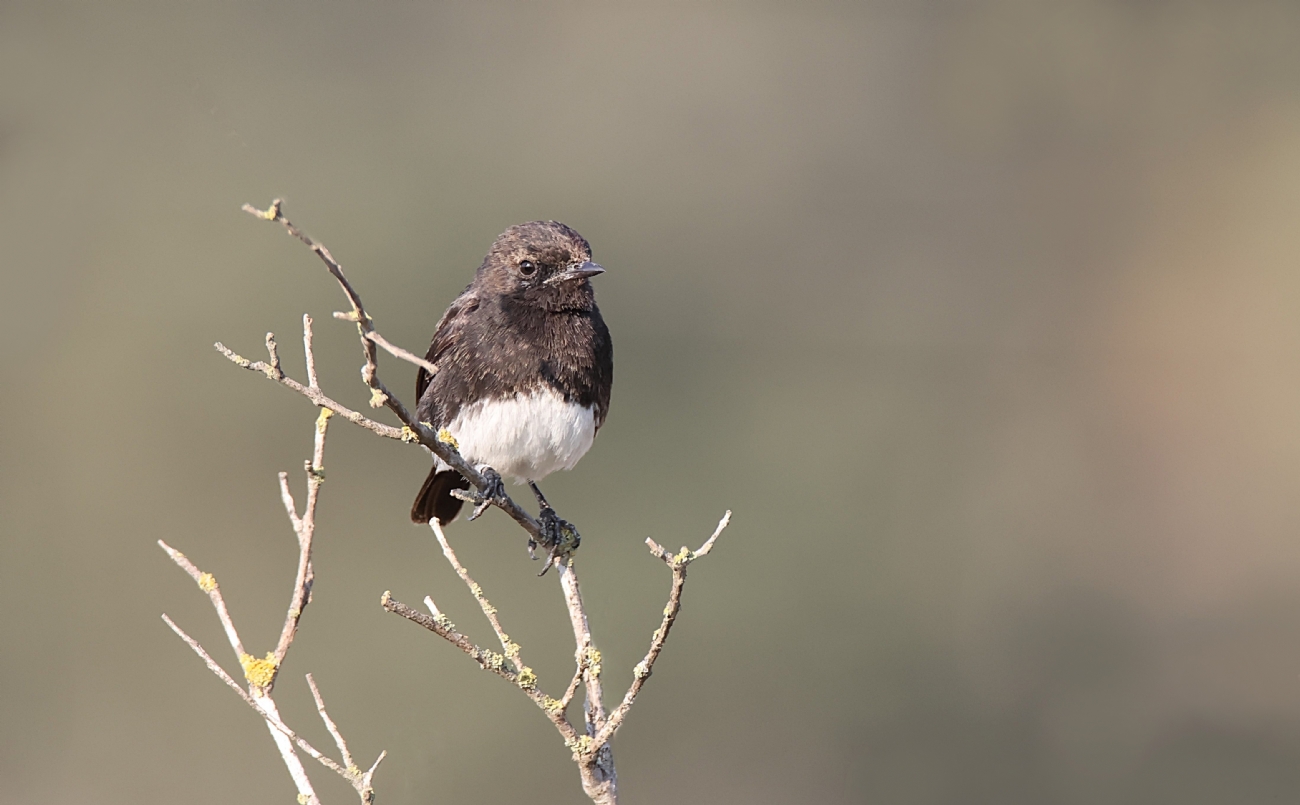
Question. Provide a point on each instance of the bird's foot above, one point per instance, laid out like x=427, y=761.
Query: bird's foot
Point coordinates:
x=558, y=536
x=494, y=491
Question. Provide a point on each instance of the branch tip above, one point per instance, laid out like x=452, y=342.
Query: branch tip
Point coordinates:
x=271, y=213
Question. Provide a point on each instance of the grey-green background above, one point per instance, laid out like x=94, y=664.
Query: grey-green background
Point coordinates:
x=984, y=318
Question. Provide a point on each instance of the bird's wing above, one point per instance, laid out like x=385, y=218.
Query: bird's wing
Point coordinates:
x=603, y=365
x=446, y=336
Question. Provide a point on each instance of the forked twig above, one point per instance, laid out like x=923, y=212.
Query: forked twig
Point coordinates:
x=590, y=746
x=641, y=672
x=260, y=674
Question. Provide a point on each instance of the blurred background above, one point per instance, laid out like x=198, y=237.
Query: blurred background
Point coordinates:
x=981, y=316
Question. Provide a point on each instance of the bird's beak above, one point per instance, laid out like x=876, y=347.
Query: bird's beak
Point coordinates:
x=578, y=272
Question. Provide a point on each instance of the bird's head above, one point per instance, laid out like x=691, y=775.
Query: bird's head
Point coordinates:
x=543, y=263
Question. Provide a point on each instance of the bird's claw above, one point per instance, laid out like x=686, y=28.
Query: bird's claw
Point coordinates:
x=558, y=536
x=493, y=491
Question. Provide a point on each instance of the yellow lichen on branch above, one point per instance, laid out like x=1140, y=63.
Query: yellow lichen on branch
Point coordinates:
x=259, y=673
x=445, y=437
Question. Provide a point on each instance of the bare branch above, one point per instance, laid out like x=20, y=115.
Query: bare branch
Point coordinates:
x=717, y=532
x=329, y=724
x=285, y=743
x=211, y=663
x=371, y=771
x=261, y=674
x=287, y=498
x=508, y=646
x=488, y=660
x=643, y=669
x=317, y=398
x=272, y=718
x=572, y=690
x=274, y=352
x=686, y=555
x=440, y=625
x=587, y=657
x=595, y=760
x=393, y=349
x=208, y=584
x=308, y=353
x=306, y=529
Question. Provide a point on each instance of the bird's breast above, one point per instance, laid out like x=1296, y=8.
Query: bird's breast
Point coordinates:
x=525, y=436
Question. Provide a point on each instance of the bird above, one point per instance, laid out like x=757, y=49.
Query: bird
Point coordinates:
x=524, y=370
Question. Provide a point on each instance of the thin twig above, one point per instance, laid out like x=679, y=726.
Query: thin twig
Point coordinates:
x=643, y=669
x=309, y=355
x=290, y=508
x=329, y=724
x=208, y=584
x=274, y=720
x=508, y=646
x=316, y=397
x=572, y=690
x=211, y=663
x=587, y=657
x=595, y=760
x=273, y=351
x=306, y=529
x=487, y=659
x=391, y=348
x=261, y=674
x=444, y=628
x=305, y=526
x=371, y=771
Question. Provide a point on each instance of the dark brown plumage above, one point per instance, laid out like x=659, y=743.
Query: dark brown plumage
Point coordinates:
x=525, y=364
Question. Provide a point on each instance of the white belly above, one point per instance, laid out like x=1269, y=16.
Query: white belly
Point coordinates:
x=525, y=437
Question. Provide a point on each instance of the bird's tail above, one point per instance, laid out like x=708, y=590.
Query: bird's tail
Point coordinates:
x=435, y=499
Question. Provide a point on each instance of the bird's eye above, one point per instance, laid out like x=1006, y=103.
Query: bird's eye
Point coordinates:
x=527, y=268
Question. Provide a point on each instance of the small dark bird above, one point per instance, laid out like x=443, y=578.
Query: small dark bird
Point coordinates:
x=525, y=367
